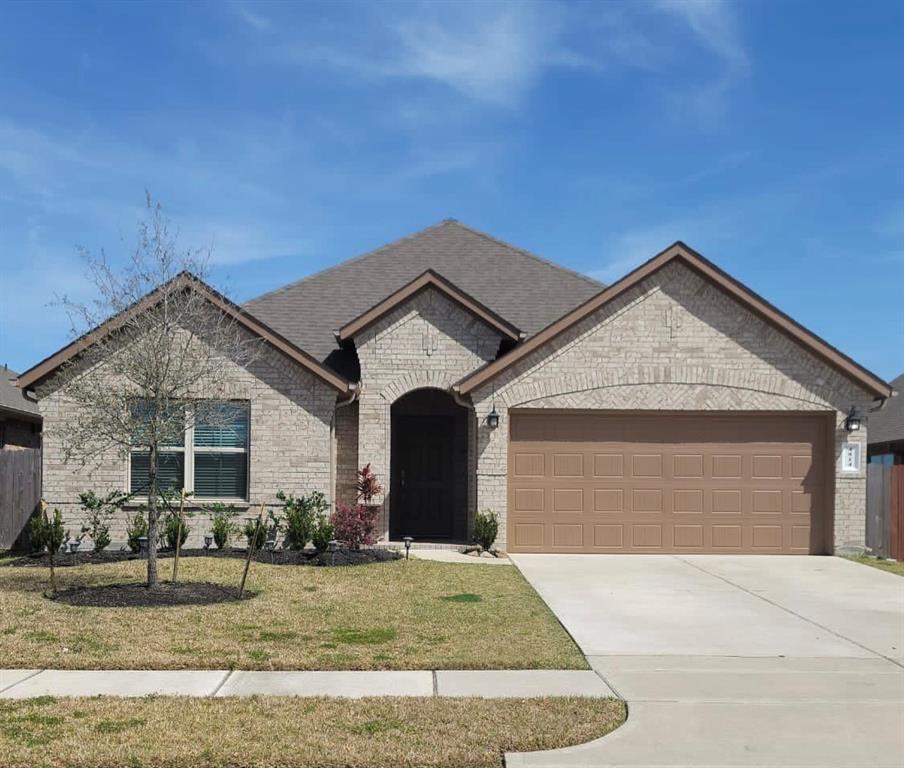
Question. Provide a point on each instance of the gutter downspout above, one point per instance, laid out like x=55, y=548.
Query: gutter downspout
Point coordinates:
x=355, y=391
x=457, y=397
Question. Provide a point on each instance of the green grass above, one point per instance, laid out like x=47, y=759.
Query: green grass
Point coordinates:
x=281, y=732
x=891, y=566
x=412, y=614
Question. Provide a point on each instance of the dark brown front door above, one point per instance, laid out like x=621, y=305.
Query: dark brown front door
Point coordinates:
x=423, y=472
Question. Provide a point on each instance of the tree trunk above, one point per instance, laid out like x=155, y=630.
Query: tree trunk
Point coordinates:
x=152, y=517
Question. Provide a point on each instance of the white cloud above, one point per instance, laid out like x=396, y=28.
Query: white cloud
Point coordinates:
x=714, y=25
x=492, y=52
x=257, y=21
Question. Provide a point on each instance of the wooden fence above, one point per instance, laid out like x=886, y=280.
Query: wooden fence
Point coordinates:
x=20, y=492
x=885, y=510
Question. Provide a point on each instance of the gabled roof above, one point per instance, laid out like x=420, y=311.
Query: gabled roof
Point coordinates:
x=428, y=279
x=681, y=252
x=12, y=399
x=182, y=281
x=887, y=424
x=526, y=290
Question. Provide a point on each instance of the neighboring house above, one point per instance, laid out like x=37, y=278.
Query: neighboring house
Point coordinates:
x=886, y=430
x=673, y=411
x=20, y=420
x=20, y=459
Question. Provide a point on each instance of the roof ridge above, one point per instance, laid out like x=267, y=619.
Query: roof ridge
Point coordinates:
x=525, y=252
x=444, y=222
x=353, y=259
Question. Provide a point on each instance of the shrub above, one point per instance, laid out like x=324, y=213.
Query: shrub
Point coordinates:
x=48, y=533
x=136, y=527
x=367, y=485
x=355, y=525
x=98, y=512
x=300, y=516
x=170, y=530
x=323, y=534
x=486, y=527
x=221, y=525
x=255, y=526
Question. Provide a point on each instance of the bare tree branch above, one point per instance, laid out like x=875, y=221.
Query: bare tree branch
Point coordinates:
x=132, y=387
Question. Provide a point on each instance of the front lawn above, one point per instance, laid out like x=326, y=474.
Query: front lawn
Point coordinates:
x=892, y=566
x=286, y=732
x=397, y=615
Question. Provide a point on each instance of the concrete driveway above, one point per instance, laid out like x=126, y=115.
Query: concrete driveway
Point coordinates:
x=734, y=661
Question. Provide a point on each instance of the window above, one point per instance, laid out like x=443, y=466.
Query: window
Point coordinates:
x=212, y=459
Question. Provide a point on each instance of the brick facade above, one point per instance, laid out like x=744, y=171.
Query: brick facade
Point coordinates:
x=429, y=341
x=673, y=342
x=290, y=417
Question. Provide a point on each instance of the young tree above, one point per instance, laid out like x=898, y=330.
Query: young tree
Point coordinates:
x=155, y=353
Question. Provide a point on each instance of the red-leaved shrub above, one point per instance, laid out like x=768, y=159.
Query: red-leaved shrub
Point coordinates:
x=367, y=485
x=355, y=525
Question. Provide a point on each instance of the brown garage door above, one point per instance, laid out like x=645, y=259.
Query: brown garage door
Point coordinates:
x=619, y=482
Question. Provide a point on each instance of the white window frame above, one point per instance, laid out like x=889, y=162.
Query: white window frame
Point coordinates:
x=188, y=449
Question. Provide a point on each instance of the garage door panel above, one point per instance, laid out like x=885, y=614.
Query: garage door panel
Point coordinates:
x=568, y=465
x=529, y=500
x=688, y=465
x=688, y=501
x=646, y=465
x=685, y=536
x=609, y=500
x=611, y=465
x=605, y=482
x=567, y=500
x=529, y=464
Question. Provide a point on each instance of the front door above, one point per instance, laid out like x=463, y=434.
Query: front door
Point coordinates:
x=423, y=458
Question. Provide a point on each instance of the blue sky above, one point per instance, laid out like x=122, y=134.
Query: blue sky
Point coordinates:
x=768, y=135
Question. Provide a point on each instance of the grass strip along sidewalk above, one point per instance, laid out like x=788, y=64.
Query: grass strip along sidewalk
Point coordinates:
x=293, y=733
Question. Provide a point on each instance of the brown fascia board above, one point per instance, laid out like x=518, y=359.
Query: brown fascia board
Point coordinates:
x=428, y=279
x=679, y=251
x=183, y=281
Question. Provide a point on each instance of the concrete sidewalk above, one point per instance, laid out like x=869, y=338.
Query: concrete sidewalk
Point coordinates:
x=25, y=683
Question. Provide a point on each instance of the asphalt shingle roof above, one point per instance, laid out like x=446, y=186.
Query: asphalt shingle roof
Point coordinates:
x=12, y=398
x=525, y=289
x=887, y=425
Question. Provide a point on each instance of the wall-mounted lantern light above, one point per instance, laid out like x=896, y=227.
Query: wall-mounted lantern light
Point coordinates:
x=493, y=418
x=853, y=421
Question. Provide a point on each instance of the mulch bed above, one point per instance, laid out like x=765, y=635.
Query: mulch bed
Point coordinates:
x=138, y=595
x=341, y=557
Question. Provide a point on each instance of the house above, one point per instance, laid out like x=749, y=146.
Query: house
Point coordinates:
x=20, y=420
x=20, y=460
x=673, y=411
x=886, y=430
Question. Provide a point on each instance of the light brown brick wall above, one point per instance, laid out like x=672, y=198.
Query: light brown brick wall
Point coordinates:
x=674, y=342
x=290, y=418
x=430, y=341
x=346, y=452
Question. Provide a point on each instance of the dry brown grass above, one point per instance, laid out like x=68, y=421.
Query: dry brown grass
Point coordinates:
x=290, y=733
x=395, y=615
x=892, y=566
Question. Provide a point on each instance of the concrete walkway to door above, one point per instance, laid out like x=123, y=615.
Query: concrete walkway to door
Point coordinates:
x=734, y=661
